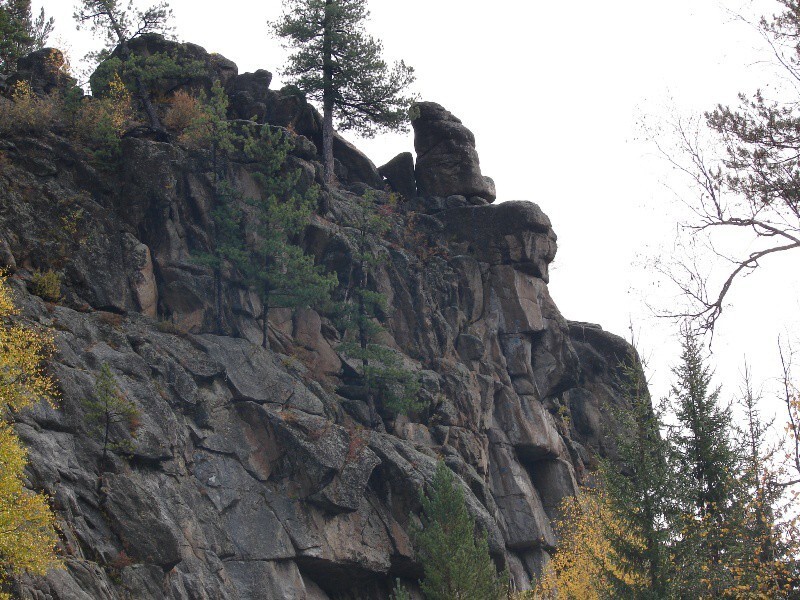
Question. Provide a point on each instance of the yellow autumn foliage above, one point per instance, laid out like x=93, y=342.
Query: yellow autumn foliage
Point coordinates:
x=26, y=111
x=27, y=526
x=587, y=563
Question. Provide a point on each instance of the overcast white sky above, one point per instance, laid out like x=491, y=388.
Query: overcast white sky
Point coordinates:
x=555, y=93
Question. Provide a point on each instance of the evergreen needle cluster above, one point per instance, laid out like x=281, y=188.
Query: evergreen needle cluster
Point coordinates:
x=334, y=61
x=456, y=561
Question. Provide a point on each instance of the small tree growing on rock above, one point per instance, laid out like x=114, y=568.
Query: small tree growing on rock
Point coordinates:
x=384, y=376
x=108, y=408
x=336, y=62
x=258, y=236
x=280, y=271
x=456, y=562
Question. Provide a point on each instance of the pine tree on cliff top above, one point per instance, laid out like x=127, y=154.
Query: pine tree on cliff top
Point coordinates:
x=336, y=62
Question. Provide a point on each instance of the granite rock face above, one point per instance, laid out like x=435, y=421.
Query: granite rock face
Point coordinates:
x=258, y=473
x=447, y=162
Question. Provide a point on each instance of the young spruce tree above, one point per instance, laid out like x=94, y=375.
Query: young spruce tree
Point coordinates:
x=704, y=462
x=336, y=62
x=210, y=129
x=274, y=264
x=638, y=489
x=259, y=237
x=456, y=562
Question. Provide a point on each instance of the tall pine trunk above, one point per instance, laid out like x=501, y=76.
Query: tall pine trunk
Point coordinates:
x=327, y=95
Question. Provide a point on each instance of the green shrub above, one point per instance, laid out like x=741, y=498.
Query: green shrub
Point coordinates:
x=46, y=285
x=26, y=112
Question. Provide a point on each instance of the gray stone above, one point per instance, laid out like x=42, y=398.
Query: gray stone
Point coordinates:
x=256, y=375
x=399, y=174
x=447, y=162
x=249, y=475
x=44, y=70
x=470, y=347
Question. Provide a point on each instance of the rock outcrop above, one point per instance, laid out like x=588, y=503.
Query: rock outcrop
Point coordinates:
x=447, y=162
x=257, y=473
x=44, y=70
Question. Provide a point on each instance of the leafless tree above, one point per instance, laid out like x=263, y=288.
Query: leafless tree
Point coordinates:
x=750, y=191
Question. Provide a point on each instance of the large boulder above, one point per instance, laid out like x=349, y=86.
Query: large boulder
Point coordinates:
x=399, y=173
x=198, y=68
x=250, y=95
x=45, y=71
x=447, y=162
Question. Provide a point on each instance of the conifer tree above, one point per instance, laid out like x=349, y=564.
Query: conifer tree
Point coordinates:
x=763, y=559
x=274, y=264
x=704, y=462
x=20, y=33
x=455, y=560
x=118, y=24
x=336, y=62
x=384, y=376
x=260, y=243
x=638, y=488
x=211, y=129
x=108, y=408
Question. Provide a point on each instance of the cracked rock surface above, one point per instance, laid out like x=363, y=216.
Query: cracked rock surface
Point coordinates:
x=258, y=473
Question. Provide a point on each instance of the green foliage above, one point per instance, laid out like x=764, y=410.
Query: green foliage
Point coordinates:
x=108, y=408
x=277, y=268
x=141, y=73
x=456, y=562
x=336, y=62
x=20, y=33
x=701, y=511
x=386, y=379
x=399, y=592
x=365, y=91
x=639, y=488
x=703, y=462
x=118, y=25
x=258, y=236
x=46, y=285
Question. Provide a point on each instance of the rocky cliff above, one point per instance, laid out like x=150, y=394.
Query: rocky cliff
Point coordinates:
x=258, y=473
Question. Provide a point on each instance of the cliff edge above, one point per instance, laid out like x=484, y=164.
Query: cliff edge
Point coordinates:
x=258, y=473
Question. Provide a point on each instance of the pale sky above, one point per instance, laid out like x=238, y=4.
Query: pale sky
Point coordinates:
x=555, y=94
